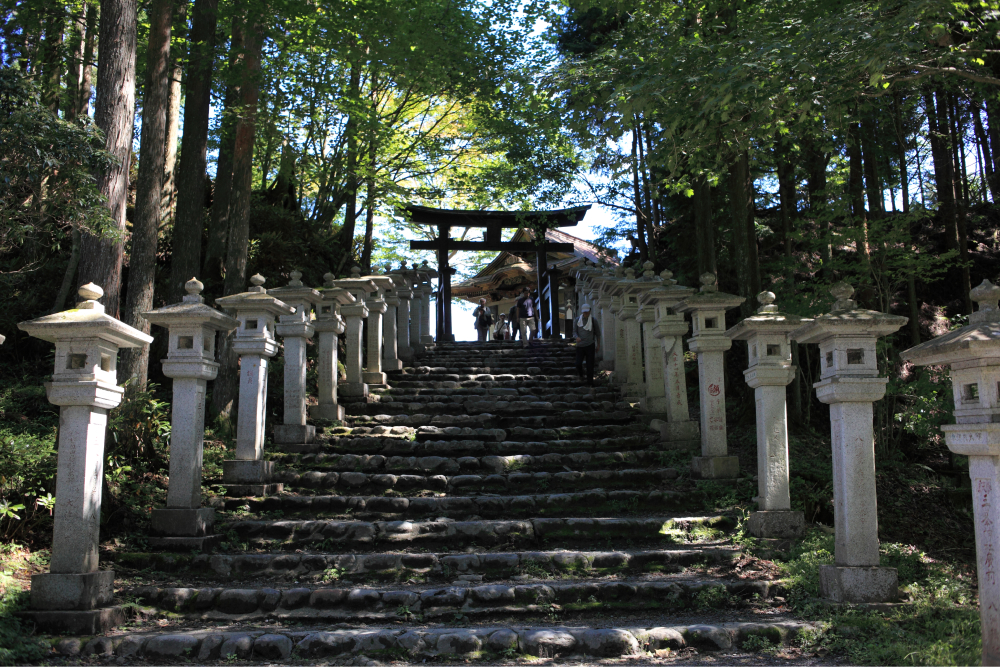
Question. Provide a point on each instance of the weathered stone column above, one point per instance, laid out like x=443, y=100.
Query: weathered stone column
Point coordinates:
x=249, y=474
x=377, y=308
x=191, y=327
x=406, y=294
x=620, y=374
x=973, y=353
x=295, y=330
x=770, y=371
x=329, y=324
x=390, y=336
x=416, y=311
x=849, y=383
x=426, y=337
x=84, y=387
x=601, y=295
x=353, y=315
x=679, y=430
x=633, y=383
x=709, y=341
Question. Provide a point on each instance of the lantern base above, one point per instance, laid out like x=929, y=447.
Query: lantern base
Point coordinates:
x=89, y=622
x=858, y=584
x=715, y=467
x=294, y=434
x=72, y=592
x=776, y=524
x=181, y=522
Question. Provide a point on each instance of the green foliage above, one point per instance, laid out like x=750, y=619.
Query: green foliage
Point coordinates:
x=47, y=181
x=17, y=646
x=138, y=430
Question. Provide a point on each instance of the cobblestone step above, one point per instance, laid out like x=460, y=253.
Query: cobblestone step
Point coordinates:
x=490, y=464
x=594, y=501
x=441, y=566
x=449, y=478
x=367, y=604
x=367, y=535
x=421, y=643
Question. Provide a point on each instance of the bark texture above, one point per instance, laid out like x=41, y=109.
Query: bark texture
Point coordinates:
x=134, y=364
x=114, y=114
x=189, y=218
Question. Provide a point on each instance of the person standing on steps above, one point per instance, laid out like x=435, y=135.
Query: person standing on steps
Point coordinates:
x=484, y=319
x=526, y=317
x=502, y=331
x=512, y=318
x=588, y=341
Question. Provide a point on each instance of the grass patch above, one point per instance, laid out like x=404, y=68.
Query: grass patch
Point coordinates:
x=940, y=626
x=17, y=645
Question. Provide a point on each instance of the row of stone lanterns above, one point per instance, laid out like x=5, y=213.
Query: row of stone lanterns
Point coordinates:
x=75, y=595
x=639, y=311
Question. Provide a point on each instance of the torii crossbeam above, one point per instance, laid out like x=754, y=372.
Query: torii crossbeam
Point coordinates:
x=494, y=222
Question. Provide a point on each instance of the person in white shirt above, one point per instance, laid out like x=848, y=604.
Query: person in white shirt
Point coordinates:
x=526, y=317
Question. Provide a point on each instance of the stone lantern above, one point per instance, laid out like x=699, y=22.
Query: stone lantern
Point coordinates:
x=295, y=330
x=406, y=293
x=600, y=297
x=669, y=327
x=249, y=473
x=973, y=353
x=390, y=334
x=849, y=383
x=329, y=324
x=84, y=387
x=377, y=307
x=709, y=341
x=427, y=273
x=353, y=315
x=191, y=331
x=769, y=351
x=632, y=372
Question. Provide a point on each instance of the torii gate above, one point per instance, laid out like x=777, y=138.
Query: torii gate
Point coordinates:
x=494, y=222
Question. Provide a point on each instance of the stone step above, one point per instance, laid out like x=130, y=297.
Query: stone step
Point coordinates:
x=489, y=381
x=446, y=477
x=461, y=395
x=420, y=644
x=390, y=446
x=403, y=465
x=375, y=604
x=479, y=405
x=443, y=566
x=368, y=535
x=502, y=414
x=467, y=507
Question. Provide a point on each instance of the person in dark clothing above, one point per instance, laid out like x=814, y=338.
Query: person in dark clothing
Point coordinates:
x=588, y=342
x=512, y=318
x=484, y=320
x=526, y=317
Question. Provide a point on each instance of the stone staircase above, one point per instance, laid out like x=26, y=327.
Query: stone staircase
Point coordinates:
x=486, y=505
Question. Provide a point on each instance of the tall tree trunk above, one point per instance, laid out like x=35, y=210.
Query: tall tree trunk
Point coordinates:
x=904, y=184
x=85, y=89
x=189, y=218
x=984, y=146
x=816, y=161
x=351, y=185
x=51, y=56
x=856, y=189
x=74, y=62
x=944, y=177
x=218, y=224
x=366, y=249
x=134, y=366
x=224, y=392
x=69, y=274
x=786, y=194
x=168, y=199
x=873, y=180
x=640, y=213
x=744, y=234
x=957, y=129
x=704, y=226
x=114, y=114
